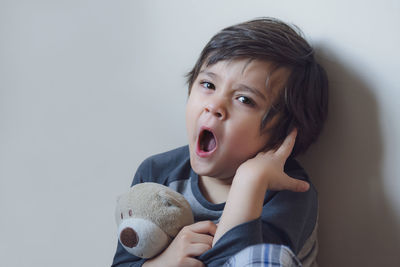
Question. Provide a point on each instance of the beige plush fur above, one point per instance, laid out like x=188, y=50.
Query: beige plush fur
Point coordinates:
x=156, y=203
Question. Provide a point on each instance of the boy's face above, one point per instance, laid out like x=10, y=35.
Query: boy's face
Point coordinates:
x=226, y=105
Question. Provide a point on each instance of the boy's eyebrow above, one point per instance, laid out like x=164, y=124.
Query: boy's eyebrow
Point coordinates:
x=253, y=90
x=209, y=73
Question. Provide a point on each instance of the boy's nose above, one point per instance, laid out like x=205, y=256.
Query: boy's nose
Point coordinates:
x=216, y=110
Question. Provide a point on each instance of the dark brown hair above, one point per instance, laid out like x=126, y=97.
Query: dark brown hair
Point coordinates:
x=303, y=101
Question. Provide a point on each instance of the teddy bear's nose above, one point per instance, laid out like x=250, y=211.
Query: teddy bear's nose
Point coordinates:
x=129, y=237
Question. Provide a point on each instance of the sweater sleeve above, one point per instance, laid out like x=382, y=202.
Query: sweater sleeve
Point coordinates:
x=233, y=241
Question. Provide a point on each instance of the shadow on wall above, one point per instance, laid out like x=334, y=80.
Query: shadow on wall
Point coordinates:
x=357, y=226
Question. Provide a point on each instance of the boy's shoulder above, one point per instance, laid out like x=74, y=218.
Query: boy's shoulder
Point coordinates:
x=173, y=163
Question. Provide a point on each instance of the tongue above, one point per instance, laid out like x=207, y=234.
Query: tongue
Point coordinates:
x=208, y=142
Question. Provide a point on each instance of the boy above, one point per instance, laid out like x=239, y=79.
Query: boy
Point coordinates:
x=257, y=98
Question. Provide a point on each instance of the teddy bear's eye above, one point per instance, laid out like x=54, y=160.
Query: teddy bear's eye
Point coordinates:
x=130, y=212
x=122, y=216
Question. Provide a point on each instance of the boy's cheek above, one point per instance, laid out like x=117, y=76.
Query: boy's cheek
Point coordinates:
x=190, y=126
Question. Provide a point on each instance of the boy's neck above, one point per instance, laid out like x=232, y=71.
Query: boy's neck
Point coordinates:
x=214, y=190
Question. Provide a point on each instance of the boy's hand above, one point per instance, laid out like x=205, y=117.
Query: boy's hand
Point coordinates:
x=193, y=240
x=252, y=179
x=267, y=168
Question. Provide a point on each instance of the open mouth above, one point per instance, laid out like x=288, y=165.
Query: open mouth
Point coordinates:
x=207, y=142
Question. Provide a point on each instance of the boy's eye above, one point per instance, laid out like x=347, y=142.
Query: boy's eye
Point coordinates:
x=208, y=85
x=246, y=100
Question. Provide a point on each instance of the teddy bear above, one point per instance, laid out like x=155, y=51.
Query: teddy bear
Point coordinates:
x=149, y=216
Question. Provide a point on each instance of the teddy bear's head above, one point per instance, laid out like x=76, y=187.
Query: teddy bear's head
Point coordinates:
x=149, y=216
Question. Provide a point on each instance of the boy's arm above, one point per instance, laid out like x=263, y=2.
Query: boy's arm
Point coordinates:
x=192, y=241
x=252, y=179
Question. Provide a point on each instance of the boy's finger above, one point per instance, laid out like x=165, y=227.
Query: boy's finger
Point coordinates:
x=203, y=227
x=201, y=238
x=287, y=146
x=197, y=249
x=296, y=185
x=192, y=262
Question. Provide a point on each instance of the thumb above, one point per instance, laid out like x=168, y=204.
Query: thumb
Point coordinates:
x=296, y=185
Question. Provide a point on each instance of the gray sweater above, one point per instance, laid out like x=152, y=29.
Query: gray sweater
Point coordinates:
x=288, y=218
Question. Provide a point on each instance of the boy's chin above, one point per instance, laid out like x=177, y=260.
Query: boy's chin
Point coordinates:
x=214, y=174
x=209, y=169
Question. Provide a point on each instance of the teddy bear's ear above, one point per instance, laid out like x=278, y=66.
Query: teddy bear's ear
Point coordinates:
x=168, y=199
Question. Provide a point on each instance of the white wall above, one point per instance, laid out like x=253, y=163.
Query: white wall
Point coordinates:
x=88, y=89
